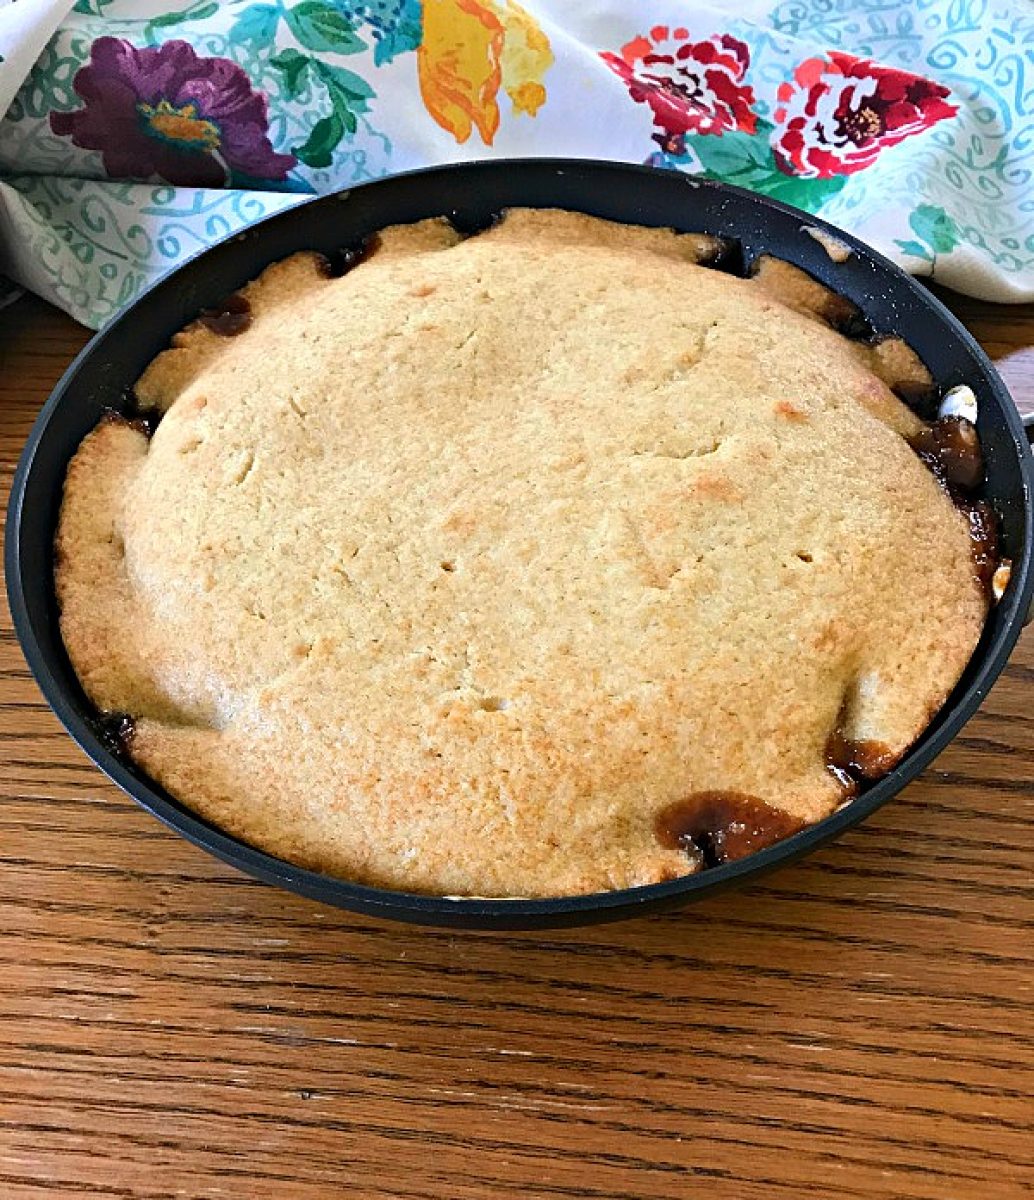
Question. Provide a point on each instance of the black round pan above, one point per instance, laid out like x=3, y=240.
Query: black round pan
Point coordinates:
x=471, y=196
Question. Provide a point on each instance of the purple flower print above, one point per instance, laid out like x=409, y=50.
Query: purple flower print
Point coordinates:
x=166, y=111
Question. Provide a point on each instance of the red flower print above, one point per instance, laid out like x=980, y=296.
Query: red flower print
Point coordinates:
x=691, y=87
x=840, y=112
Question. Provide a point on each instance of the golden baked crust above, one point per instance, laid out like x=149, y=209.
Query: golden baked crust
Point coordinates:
x=452, y=573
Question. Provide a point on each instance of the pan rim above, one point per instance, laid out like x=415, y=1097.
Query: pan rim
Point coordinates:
x=498, y=912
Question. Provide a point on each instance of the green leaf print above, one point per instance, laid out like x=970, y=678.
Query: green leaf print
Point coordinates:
x=257, y=25
x=345, y=87
x=730, y=156
x=809, y=194
x=746, y=160
x=933, y=226
x=294, y=67
x=348, y=96
x=319, y=26
x=318, y=150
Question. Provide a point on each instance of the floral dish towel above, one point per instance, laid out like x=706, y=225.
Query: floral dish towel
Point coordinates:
x=139, y=131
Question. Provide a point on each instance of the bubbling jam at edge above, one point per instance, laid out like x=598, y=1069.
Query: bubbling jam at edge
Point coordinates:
x=229, y=317
x=848, y=758
x=333, y=266
x=719, y=827
x=950, y=447
x=951, y=450
x=983, y=536
x=115, y=730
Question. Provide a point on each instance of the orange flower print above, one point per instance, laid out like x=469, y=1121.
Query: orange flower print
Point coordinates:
x=471, y=49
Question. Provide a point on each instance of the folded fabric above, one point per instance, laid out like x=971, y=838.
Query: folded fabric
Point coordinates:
x=137, y=132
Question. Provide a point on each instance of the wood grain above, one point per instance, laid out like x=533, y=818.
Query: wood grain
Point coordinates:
x=858, y=1026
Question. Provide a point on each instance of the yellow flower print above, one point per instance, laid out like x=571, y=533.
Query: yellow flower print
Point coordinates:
x=526, y=59
x=470, y=49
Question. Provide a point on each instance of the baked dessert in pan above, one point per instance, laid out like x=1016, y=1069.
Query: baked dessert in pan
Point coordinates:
x=540, y=562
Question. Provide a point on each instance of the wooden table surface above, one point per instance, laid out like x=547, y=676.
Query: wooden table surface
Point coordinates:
x=860, y=1025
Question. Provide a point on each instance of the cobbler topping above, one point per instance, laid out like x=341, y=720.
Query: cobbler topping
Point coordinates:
x=408, y=592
